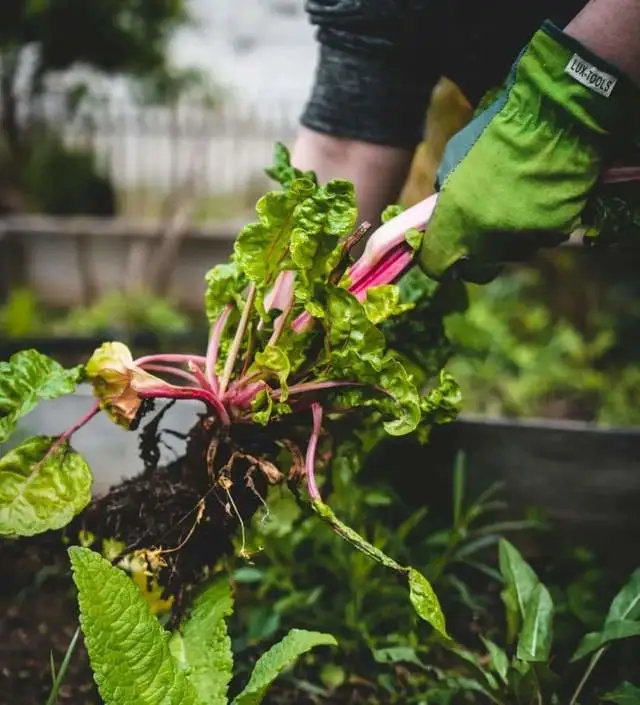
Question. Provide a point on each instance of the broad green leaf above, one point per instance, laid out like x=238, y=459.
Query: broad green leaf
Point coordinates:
x=391, y=212
x=624, y=694
x=358, y=354
x=519, y=577
x=534, y=642
x=425, y=602
x=383, y=301
x=499, y=659
x=397, y=654
x=261, y=249
x=128, y=649
x=613, y=631
x=422, y=596
x=281, y=170
x=274, y=359
x=225, y=284
x=276, y=659
x=202, y=646
x=414, y=237
x=626, y=604
x=41, y=489
x=27, y=378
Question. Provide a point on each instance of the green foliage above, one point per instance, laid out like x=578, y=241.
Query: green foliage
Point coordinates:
x=518, y=352
x=64, y=181
x=27, y=378
x=127, y=313
x=526, y=677
x=274, y=661
x=116, y=37
x=202, y=646
x=136, y=662
x=43, y=485
x=128, y=649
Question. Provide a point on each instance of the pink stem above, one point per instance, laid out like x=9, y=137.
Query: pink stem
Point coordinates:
x=178, y=359
x=94, y=411
x=386, y=271
x=243, y=398
x=201, y=377
x=214, y=347
x=310, y=459
x=171, y=392
x=306, y=387
x=618, y=174
x=166, y=369
x=237, y=340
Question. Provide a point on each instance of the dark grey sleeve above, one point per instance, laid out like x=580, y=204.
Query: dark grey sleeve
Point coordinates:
x=374, y=76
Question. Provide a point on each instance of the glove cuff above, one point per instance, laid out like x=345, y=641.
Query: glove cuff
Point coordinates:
x=596, y=93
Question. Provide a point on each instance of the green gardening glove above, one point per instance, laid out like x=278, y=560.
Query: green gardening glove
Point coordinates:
x=519, y=175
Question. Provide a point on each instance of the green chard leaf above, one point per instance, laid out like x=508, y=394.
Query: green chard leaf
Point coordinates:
x=280, y=656
x=226, y=284
x=27, y=378
x=383, y=302
x=262, y=248
x=202, y=647
x=41, y=489
x=358, y=353
x=128, y=649
x=421, y=593
x=282, y=172
x=274, y=359
x=390, y=212
x=321, y=223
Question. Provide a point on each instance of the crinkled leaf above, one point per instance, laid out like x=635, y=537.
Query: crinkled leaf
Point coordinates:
x=383, y=301
x=128, y=649
x=413, y=237
x=425, y=602
x=226, y=284
x=358, y=353
x=202, y=647
x=275, y=360
x=322, y=222
x=442, y=403
x=626, y=604
x=534, y=642
x=262, y=248
x=41, y=490
x=276, y=659
x=624, y=694
x=613, y=631
x=281, y=170
x=390, y=212
x=27, y=378
x=499, y=659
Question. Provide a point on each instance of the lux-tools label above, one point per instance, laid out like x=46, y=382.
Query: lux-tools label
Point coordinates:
x=591, y=77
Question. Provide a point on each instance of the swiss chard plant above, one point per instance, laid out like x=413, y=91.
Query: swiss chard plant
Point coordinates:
x=297, y=344
x=135, y=660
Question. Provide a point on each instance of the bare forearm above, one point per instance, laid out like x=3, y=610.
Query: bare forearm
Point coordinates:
x=611, y=29
x=377, y=171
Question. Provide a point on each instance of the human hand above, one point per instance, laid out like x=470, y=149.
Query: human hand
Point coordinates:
x=519, y=176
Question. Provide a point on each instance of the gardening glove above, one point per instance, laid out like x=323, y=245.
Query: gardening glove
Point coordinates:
x=519, y=175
